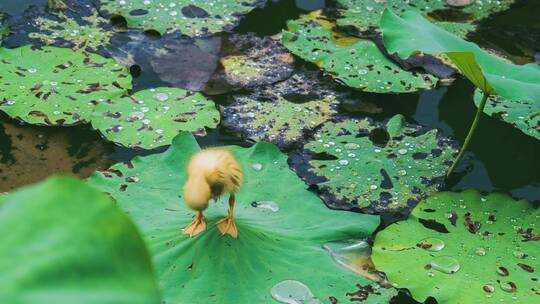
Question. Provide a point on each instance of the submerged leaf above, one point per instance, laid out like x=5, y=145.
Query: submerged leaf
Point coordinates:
x=278, y=243
x=65, y=242
x=375, y=167
x=282, y=113
x=355, y=62
x=200, y=18
x=489, y=253
x=153, y=117
x=57, y=86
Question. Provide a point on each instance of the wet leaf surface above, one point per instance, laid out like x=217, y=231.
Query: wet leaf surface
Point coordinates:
x=59, y=236
x=524, y=115
x=57, y=86
x=355, y=62
x=29, y=155
x=497, y=263
x=248, y=61
x=365, y=15
x=274, y=247
x=152, y=118
x=285, y=112
x=374, y=167
x=192, y=19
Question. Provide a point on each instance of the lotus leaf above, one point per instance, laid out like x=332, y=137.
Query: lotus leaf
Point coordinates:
x=375, y=167
x=464, y=248
x=57, y=86
x=250, y=61
x=76, y=25
x=366, y=14
x=65, y=242
x=355, y=62
x=282, y=113
x=411, y=33
x=524, y=115
x=165, y=16
x=153, y=117
x=281, y=233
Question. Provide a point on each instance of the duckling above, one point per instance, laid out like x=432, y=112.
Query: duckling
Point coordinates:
x=211, y=173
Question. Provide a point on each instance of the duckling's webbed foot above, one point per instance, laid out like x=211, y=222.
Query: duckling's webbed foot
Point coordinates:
x=197, y=226
x=227, y=225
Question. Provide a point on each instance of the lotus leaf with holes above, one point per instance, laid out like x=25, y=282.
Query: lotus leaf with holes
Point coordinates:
x=57, y=86
x=464, y=248
x=355, y=62
x=376, y=167
x=152, y=118
x=271, y=247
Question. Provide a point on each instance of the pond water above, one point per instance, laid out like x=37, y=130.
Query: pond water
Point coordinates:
x=500, y=158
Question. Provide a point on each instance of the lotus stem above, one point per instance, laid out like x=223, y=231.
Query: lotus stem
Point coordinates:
x=470, y=134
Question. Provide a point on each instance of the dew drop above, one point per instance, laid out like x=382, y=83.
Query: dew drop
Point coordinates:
x=343, y=162
x=161, y=96
x=31, y=70
x=257, y=166
x=353, y=255
x=445, y=264
x=488, y=288
x=351, y=146
x=136, y=115
x=10, y=102
x=402, y=172
x=373, y=187
x=293, y=292
x=480, y=251
x=519, y=254
x=431, y=244
x=159, y=131
x=402, y=151
x=502, y=271
x=274, y=207
x=508, y=286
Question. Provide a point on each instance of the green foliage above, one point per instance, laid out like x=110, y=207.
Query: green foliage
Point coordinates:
x=166, y=16
x=411, y=33
x=355, y=62
x=153, y=117
x=464, y=248
x=57, y=86
x=378, y=168
x=366, y=14
x=281, y=233
x=524, y=115
x=65, y=242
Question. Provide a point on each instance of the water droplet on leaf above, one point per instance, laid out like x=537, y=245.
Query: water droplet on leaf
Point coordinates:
x=293, y=292
x=445, y=264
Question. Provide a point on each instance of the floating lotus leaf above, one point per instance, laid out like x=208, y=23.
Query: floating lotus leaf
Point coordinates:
x=282, y=113
x=250, y=61
x=191, y=18
x=281, y=233
x=524, y=115
x=464, y=248
x=411, y=33
x=366, y=14
x=65, y=242
x=57, y=86
x=375, y=167
x=76, y=25
x=355, y=62
x=153, y=117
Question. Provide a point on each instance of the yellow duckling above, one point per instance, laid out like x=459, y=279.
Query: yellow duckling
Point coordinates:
x=211, y=173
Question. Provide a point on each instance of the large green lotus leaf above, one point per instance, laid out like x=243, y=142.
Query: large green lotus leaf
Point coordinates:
x=284, y=112
x=411, y=33
x=281, y=233
x=464, y=248
x=366, y=14
x=355, y=62
x=191, y=18
x=57, y=86
x=65, y=242
x=152, y=118
x=375, y=167
x=524, y=115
